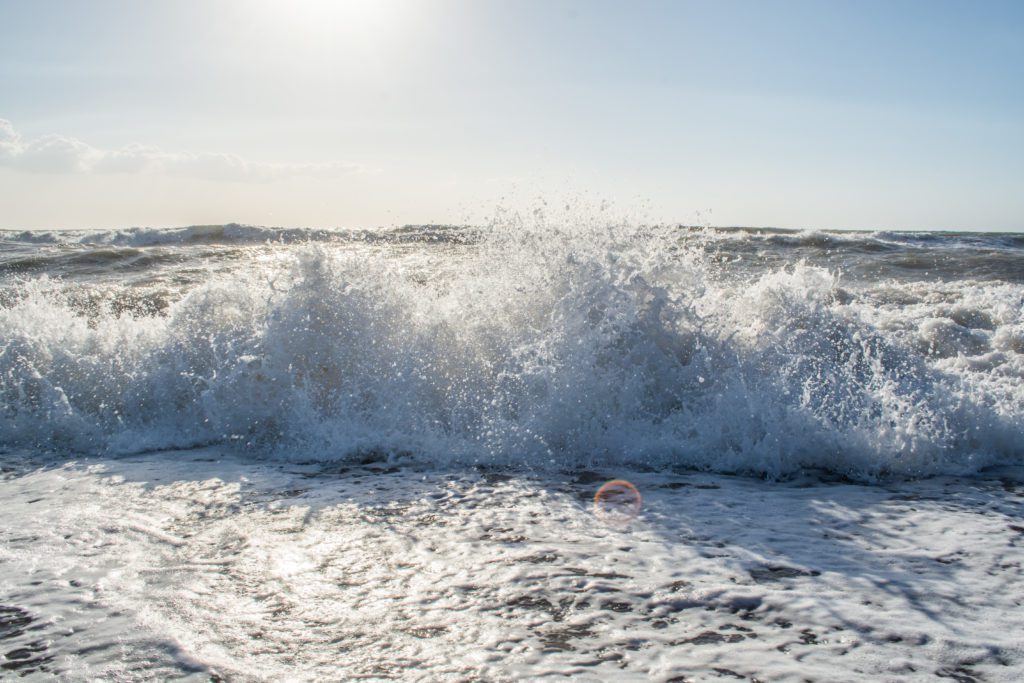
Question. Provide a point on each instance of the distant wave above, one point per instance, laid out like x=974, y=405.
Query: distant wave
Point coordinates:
x=233, y=233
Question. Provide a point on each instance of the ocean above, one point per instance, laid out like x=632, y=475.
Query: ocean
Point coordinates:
x=247, y=453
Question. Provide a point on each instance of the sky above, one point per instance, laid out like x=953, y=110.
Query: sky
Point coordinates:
x=824, y=114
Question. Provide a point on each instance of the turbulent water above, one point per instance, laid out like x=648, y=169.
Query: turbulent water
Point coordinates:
x=245, y=453
x=523, y=343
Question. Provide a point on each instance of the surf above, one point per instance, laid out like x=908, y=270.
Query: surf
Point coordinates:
x=531, y=343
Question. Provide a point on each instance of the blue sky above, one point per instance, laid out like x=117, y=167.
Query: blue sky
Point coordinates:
x=820, y=114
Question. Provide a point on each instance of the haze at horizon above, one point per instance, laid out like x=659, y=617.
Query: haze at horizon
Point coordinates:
x=837, y=115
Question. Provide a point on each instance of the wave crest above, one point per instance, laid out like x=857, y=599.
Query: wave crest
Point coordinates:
x=544, y=346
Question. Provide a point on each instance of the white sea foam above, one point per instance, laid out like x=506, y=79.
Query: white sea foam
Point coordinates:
x=179, y=565
x=540, y=344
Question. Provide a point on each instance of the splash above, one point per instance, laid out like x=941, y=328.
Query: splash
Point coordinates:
x=533, y=342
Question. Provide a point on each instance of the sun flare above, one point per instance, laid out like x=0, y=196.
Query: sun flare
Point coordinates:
x=349, y=20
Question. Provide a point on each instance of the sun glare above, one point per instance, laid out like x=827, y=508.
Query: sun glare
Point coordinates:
x=350, y=20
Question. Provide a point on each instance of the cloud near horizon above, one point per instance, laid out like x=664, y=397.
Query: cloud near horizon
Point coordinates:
x=61, y=154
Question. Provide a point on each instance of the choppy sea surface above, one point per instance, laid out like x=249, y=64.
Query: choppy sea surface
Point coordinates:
x=245, y=453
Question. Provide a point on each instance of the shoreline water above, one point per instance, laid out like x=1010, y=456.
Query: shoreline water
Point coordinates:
x=199, y=563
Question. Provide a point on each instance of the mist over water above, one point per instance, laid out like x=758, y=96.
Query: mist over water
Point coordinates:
x=529, y=342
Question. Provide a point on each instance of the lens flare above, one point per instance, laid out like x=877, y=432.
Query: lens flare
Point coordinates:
x=617, y=501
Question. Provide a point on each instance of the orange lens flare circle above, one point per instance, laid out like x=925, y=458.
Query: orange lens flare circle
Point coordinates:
x=617, y=499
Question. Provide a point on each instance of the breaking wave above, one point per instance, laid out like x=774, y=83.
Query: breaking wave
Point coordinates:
x=531, y=345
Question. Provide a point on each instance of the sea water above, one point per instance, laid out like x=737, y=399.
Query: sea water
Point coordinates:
x=252, y=453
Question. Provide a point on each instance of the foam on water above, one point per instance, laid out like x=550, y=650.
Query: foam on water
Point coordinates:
x=532, y=343
x=197, y=566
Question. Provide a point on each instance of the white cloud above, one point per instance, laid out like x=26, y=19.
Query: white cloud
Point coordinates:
x=7, y=133
x=61, y=154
